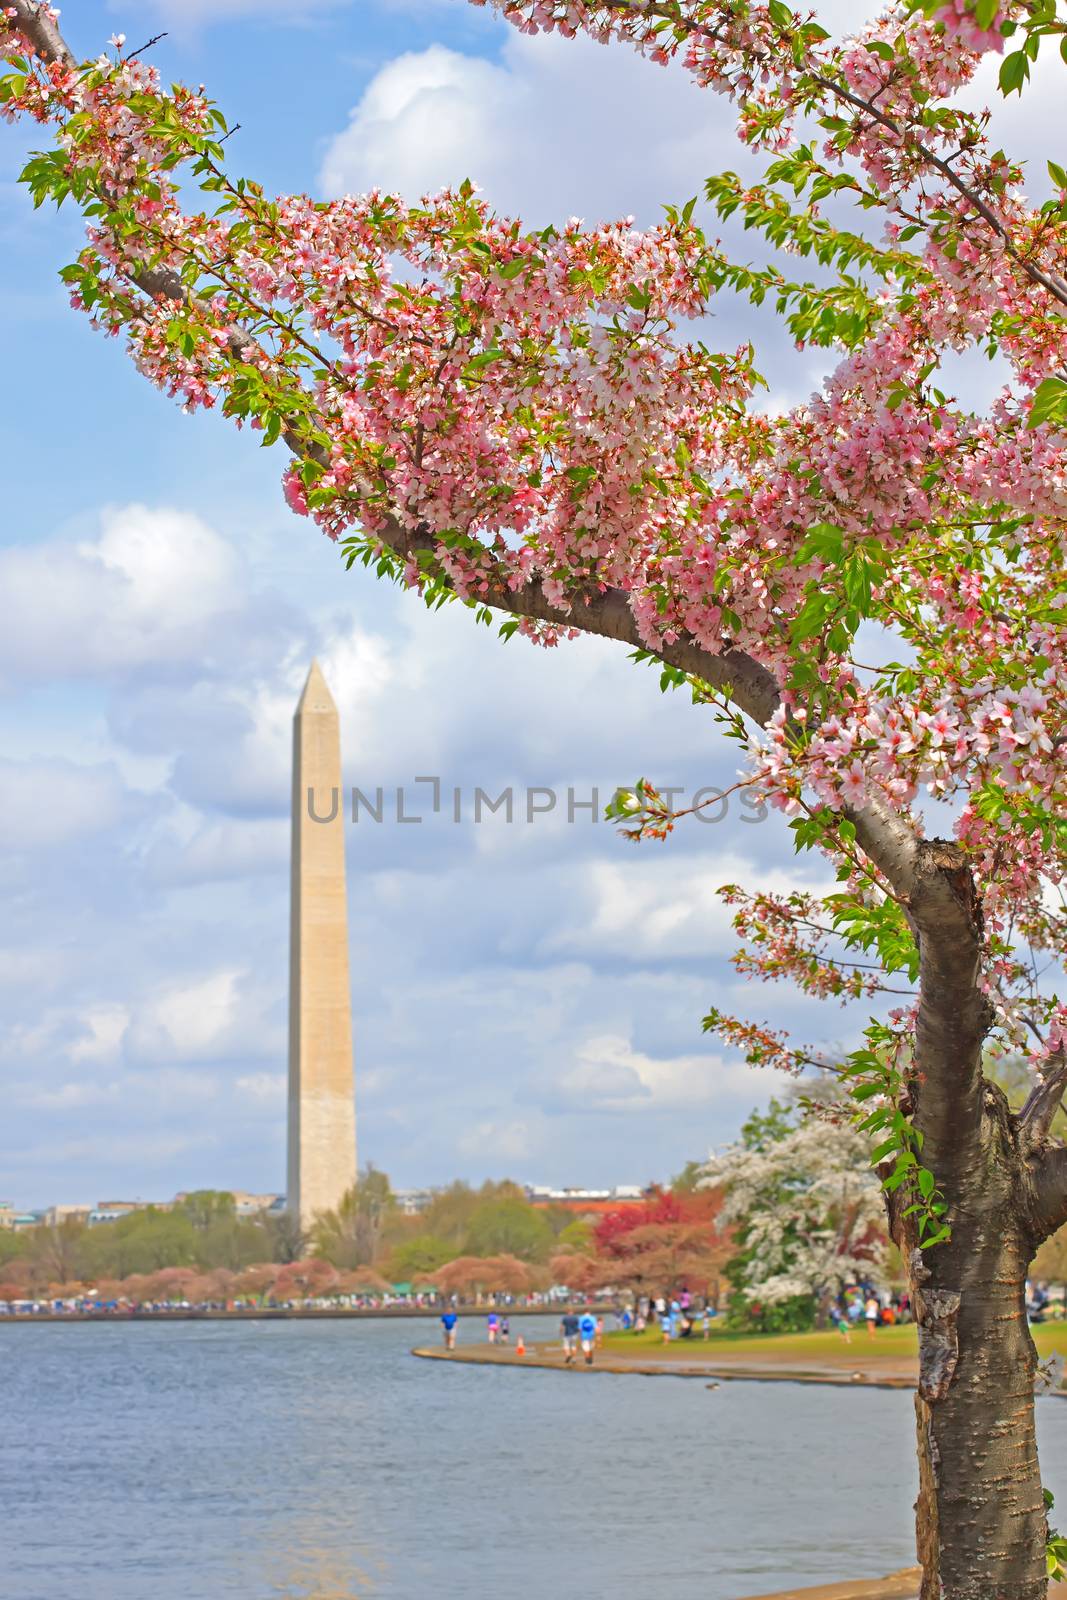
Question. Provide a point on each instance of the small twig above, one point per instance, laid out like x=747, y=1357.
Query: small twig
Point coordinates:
x=133, y=54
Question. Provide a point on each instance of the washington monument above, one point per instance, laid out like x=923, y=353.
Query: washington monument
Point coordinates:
x=322, y=1115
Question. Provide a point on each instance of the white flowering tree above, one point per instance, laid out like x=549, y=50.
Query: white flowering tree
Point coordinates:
x=809, y=1215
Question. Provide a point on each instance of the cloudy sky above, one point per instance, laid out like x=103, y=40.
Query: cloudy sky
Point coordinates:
x=527, y=997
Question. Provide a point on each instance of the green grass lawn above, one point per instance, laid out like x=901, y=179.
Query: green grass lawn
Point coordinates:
x=896, y=1345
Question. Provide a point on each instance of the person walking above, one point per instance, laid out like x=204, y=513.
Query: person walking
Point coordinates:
x=448, y=1323
x=569, y=1332
x=505, y=1330
x=841, y=1321
x=872, y=1312
x=587, y=1330
x=492, y=1323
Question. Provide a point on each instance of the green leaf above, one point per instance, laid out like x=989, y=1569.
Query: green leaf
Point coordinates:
x=1049, y=403
x=1014, y=71
x=816, y=609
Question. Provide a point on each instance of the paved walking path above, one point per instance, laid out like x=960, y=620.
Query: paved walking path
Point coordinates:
x=885, y=1376
x=898, y=1586
x=856, y=1366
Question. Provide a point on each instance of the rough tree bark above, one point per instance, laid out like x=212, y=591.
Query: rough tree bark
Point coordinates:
x=980, y=1515
x=981, y=1524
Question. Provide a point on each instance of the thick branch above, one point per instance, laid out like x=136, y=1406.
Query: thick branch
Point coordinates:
x=954, y=1015
x=607, y=614
x=1048, y=1173
x=42, y=33
x=1036, y=1116
x=888, y=837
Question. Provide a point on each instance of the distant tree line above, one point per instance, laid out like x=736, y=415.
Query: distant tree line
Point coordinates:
x=202, y=1231
x=468, y=1239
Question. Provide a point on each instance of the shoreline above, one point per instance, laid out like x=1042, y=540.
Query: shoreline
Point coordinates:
x=550, y=1359
x=630, y=1366
x=264, y=1314
x=902, y=1585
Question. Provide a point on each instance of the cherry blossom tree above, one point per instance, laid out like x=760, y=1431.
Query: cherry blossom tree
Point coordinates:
x=527, y=423
x=477, y=1275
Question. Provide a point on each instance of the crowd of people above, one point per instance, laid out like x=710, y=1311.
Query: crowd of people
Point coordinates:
x=861, y=1304
x=677, y=1316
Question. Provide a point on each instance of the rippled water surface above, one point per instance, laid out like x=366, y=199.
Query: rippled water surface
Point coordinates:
x=222, y=1461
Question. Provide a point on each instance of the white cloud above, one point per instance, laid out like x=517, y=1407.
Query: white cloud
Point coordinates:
x=105, y=1027
x=496, y=1141
x=225, y=1015
x=658, y=905
x=190, y=1020
x=23, y=970
x=70, y=1096
x=46, y=803
x=263, y=1088
x=534, y=130
x=608, y=1074
x=217, y=852
x=155, y=586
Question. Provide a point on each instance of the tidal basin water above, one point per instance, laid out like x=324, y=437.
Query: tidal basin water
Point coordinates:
x=319, y=1461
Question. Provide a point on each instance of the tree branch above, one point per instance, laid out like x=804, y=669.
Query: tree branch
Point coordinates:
x=42, y=33
x=888, y=837
x=954, y=1015
x=1037, y=1115
x=1048, y=1177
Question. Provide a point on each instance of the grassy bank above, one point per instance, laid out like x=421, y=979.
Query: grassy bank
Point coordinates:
x=890, y=1347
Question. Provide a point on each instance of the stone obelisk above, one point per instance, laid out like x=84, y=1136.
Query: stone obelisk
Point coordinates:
x=322, y=1115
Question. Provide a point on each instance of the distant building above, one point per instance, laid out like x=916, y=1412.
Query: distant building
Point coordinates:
x=57, y=1214
x=587, y=1202
x=7, y=1214
x=256, y=1205
x=112, y=1210
x=24, y=1219
x=245, y=1204
x=413, y=1202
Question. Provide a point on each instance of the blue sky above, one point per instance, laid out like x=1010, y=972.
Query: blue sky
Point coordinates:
x=527, y=998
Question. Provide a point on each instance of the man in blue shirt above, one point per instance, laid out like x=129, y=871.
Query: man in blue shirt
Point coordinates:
x=569, y=1329
x=448, y=1322
x=587, y=1329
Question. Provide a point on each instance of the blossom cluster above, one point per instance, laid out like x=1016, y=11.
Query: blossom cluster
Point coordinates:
x=492, y=412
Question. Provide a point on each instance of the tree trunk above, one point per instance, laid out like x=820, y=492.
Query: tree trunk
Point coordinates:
x=980, y=1515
